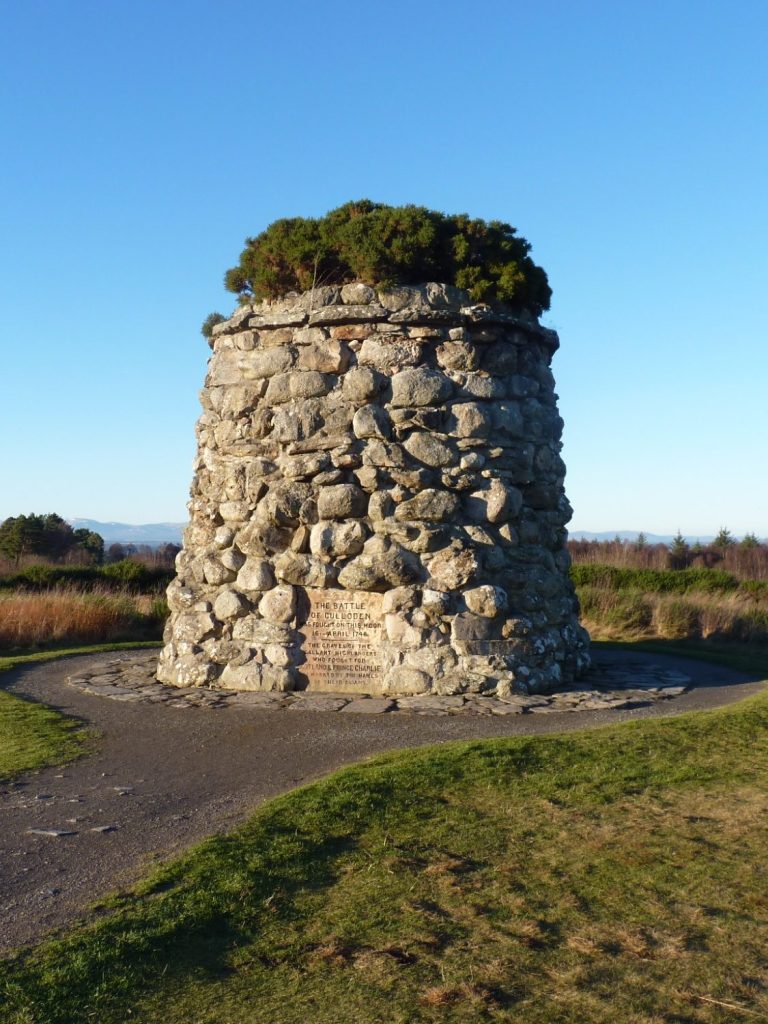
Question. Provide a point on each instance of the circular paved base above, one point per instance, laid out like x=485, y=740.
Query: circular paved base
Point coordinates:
x=614, y=683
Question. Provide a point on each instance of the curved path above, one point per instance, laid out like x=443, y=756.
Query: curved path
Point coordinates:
x=162, y=778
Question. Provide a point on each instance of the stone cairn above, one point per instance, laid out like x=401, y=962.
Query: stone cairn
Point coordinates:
x=378, y=503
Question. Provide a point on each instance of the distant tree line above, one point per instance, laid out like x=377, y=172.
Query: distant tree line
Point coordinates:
x=161, y=556
x=49, y=539
x=746, y=558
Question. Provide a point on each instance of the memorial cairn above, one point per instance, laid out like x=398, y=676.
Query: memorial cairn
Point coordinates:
x=377, y=505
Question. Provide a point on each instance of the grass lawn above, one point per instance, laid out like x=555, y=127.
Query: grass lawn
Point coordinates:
x=33, y=735
x=613, y=876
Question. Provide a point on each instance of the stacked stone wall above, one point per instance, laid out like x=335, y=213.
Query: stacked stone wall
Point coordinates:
x=377, y=503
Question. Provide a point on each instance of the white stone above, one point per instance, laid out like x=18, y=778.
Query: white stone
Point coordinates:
x=256, y=575
x=357, y=293
x=278, y=604
x=223, y=537
x=406, y=681
x=337, y=540
x=488, y=601
x=229, y=605
x=241, y=677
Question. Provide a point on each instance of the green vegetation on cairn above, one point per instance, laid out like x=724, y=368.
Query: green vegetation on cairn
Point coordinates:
x=612, y=876
x=390, y=245
x=210, y=322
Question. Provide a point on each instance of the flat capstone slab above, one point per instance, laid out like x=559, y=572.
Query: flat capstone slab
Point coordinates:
x=615, y=682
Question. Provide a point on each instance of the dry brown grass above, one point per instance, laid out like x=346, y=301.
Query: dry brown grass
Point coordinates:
x=621, y=615
x=67, y=615
x=749, y=563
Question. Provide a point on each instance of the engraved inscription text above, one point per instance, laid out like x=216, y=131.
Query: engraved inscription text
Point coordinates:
x=342, y=637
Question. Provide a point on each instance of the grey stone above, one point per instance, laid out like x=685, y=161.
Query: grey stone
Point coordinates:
x=195, y=626
x=216, y=573
x=406, y=442
x=283, y=503
x=223, y=537
x=481, y=385
x=297, y=384
x=290, y=318
x=486, y=600
x=507, y=419
x=303, y=570
x=384, y=455
x=232, y=559
x=369, y=706
x=351, y=314
x=371, y=421
x=55, y=833
x=318, y=702
x=337, y=540
x=420, y=386
x=470, y=419
x=497, y=503
x=309, y=336
x=235, y=321
x=429, y=449
x=264, y=363
x=431, y=506
x=388, y=355
x=382, y=565
x=361, y=384
x=399, y=599
x=457, y=355
x=396, y=299
x=401, y=633
x=326, y=356
x=357, y=294
x=469, y=626
x=404, y=680
x=186, y=670
x=276, y=678
x=341, y=501
x=241, y=677
x=451, y=569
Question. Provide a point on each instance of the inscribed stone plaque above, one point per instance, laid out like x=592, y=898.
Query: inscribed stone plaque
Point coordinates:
x=342, y=641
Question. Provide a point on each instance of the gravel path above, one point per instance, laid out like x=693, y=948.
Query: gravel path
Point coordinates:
x=164, y=777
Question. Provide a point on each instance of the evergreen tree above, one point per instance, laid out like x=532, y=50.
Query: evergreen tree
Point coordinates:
x=391, y=245
x=679, y=552
x=724, y=539
x=48, y=536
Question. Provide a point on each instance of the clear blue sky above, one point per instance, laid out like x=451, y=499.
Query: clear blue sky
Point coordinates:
x=627, y=141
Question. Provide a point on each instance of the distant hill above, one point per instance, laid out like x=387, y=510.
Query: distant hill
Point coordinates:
x=152, y=534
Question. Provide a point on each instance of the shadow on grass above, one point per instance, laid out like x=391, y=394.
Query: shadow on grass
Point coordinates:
x=188, y=918
x=752, y=661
